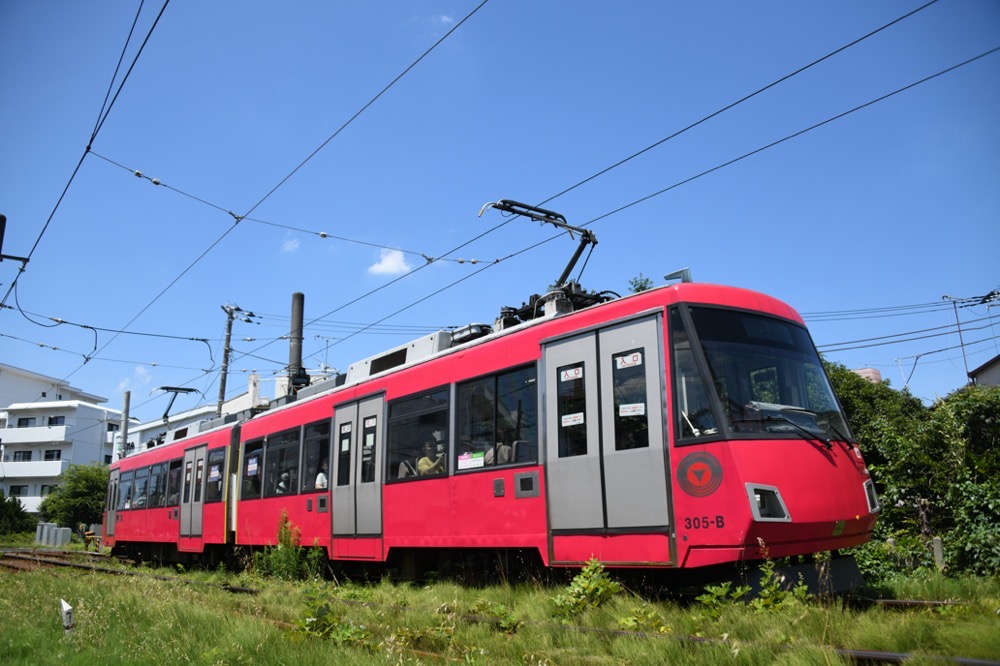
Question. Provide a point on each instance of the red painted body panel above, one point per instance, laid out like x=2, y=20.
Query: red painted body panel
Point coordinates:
x=462, y=512
x=257, y=520
x=820, y=487
x=623, y=550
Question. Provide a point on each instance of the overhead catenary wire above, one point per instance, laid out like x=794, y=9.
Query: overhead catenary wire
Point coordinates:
x=916, y=358
x=300, y=165
x=878, y=313
x=883, y=343
x=106, y=108
x=365, y=107
x=798, y=134
x=154, y=364
x=427, y=257
x=239, y=218
x=57, y=321
x=654, y=194
x=660, y=142
x=951, y=329
x=727, y=163
x=404, y=276
x=106, y=111
x=739, y=101
x=902, y=338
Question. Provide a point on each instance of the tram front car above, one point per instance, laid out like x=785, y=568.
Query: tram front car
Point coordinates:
x=764, y=463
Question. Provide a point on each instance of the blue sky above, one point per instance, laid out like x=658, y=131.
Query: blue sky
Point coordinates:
x=896, y=204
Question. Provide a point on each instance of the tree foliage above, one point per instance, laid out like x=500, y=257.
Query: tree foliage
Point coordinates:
x=79, y=497
x=13, y=518
x=640, y=283
x=937, y=471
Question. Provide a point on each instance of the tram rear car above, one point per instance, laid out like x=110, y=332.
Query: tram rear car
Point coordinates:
x=683, y=427
x=171, y=499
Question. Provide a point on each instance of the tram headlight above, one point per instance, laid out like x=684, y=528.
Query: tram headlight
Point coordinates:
x=766, y=504
x=872, y=497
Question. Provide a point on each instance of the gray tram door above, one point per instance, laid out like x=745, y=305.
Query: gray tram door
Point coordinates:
x=357, y=465
x=193, y=491
x=605, y=452
x=112, y=503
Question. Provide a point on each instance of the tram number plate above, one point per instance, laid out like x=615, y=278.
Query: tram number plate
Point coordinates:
x=704, y=522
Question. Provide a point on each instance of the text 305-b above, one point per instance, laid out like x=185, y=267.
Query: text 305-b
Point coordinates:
x=704, y=522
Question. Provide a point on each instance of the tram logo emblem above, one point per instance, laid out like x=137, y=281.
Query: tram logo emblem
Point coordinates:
x=699, y=474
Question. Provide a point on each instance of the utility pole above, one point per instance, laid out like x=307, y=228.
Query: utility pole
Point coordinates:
x=230, y=311
x=246, y=316
x=961, y=342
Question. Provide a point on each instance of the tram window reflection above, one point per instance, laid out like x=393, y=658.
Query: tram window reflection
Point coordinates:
x=412, y=423
x=497, y=420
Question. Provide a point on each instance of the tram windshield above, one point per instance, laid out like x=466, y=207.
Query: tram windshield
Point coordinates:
x=767, y=376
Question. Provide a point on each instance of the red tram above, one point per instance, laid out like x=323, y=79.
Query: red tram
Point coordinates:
x=677, y=428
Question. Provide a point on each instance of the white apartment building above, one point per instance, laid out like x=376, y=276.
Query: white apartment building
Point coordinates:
x=46, y=425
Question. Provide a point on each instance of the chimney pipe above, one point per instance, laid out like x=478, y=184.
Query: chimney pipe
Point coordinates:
x=297, y=377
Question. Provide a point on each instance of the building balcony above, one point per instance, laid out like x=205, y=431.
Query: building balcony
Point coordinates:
x=30, y=470
x=40, y=434
x=31, y=503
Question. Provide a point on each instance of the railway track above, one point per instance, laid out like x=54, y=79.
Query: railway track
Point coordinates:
x=30, y=560
x=25, y=560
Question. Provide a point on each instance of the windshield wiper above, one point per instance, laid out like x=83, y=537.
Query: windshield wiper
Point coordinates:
x=810, y=435
x=840, y=436
x=816, y=415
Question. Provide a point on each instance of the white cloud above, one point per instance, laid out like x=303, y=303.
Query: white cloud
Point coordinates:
x=290, y=245
x=444, y=18
x=390, y=262
x=141, y=376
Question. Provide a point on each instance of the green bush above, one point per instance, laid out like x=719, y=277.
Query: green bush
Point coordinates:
x=13, y=518
x=288, y=560
x=79, y=497
x=937, y=472
x=589, y=589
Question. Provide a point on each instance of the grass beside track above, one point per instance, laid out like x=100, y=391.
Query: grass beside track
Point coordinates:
x=138, y=620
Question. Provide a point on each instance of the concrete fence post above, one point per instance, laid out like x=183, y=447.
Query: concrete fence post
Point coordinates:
x=938, y=547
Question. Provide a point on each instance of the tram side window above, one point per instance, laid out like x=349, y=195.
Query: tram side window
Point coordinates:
x=174, y=483
x=417, y=436
x=139, y=496
x=368, y=430
x=199, y=479
x=215, y=489
x=253, y=466
x=344, y=453
x=316, y=456
x=692, y=408
x=281, y=459
x=631, y=421
x=571, y=396
x=188, y=476
x=125, y=491
x=157, y=486
x=497, y=420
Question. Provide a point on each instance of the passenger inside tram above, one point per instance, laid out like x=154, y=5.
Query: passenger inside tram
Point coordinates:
x=432, y=462
x=321, y=480
x=503, y=452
